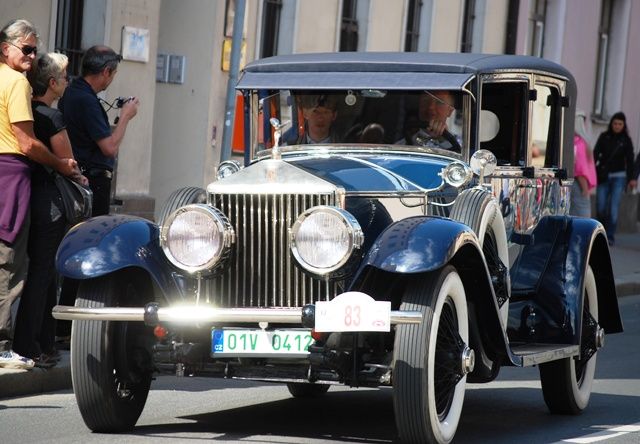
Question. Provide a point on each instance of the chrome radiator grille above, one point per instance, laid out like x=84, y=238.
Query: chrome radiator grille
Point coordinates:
x=262, y=272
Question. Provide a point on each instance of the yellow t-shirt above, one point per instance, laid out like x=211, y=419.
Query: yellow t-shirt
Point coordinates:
x=15, y=106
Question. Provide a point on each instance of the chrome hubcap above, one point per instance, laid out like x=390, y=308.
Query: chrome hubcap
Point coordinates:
x=599, y=337
x=468, y=360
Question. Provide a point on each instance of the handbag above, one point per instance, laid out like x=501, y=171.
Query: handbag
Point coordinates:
x=76, y=198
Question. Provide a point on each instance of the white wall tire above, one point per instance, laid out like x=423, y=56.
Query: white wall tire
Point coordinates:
x=428, y=384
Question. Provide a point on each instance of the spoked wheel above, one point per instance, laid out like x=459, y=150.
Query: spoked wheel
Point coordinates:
x=432, y=359
x=110, y=361
x=567, y=383
x=307, y=390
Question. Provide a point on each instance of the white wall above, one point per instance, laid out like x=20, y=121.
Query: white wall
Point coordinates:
x=135, y=79
x=630, y=103
x=37, y=12
x=317, y=26
x=580, y=53
x=182, y=122
x=446, y=21
x=386, y=22
x=490, y=26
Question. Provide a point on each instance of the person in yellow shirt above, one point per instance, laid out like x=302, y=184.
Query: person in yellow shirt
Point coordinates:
x=18, y=146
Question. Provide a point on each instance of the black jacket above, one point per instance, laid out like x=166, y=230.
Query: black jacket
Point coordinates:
x=616, y=151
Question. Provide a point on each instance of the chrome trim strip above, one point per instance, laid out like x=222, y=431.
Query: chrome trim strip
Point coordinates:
x=196, y=314
x=345, y=148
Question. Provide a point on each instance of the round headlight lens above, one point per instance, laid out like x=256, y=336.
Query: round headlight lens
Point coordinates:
x=196, y=238
x=324, y=238
x=457, y=174
x=227, y=168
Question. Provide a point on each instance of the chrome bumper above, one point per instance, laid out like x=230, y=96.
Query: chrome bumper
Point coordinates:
x=152, y=314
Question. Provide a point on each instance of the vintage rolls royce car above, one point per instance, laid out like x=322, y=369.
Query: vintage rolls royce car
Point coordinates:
x=399, y=220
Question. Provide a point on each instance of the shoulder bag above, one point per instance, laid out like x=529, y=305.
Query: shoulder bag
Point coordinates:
x=76, y=198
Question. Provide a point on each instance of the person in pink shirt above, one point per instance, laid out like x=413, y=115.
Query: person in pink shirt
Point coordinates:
x=584, y=172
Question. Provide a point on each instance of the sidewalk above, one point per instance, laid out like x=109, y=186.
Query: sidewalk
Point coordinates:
x=625, y=257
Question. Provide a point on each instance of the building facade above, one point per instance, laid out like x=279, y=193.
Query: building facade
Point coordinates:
x=176, y=138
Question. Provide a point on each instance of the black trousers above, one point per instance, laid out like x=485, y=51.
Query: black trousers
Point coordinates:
x=35, y=327
x=101, y=187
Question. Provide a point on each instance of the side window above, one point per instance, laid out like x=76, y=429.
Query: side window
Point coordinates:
x=503, y=121
x=545, y=118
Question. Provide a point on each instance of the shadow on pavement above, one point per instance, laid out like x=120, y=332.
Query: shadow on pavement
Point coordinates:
x=496, y=415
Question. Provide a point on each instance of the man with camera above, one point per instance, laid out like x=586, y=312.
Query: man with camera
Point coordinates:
x=95, y=146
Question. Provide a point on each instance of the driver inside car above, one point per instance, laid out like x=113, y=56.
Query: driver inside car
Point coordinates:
x=434, y=108
x=319, y=111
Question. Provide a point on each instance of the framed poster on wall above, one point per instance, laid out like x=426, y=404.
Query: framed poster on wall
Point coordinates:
x=135, y=44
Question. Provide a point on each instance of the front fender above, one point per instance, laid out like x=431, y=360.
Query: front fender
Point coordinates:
x=419, y=244
x=106, y=244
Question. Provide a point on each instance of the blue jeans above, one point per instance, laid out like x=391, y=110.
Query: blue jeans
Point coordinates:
x=608, y=197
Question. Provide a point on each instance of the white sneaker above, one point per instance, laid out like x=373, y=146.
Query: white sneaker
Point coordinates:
x=10, y=359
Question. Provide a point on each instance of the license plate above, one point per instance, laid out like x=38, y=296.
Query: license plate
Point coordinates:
x=235, y=342
x=353, y=311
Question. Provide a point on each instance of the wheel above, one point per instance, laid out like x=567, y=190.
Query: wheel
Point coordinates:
x=431, y=359
x=110, y=363
x=307, y=390
x=478, y=210
x=567, y=383
x=180, y=198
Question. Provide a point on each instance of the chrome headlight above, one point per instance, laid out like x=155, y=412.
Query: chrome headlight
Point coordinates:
x=227, y=168
x=324, y=238
x=197, y=238
x=456, y=174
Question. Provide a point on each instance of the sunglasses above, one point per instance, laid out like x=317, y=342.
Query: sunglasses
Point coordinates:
x=26, y=49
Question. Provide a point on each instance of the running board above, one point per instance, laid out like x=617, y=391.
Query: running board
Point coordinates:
x=527, y=355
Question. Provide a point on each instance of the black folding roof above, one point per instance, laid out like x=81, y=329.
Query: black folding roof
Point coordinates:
x=388, y=70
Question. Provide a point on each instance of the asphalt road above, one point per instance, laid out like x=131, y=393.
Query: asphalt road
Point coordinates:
x=508, y=410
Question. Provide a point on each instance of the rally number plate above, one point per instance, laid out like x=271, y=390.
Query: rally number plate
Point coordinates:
x=235, y=342
x=353, y=311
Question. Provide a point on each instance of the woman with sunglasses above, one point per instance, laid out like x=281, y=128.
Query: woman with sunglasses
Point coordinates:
x=35, y=327
x=18, y=146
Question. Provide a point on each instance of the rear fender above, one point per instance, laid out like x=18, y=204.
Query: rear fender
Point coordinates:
x=106, y=244
x=547, y=282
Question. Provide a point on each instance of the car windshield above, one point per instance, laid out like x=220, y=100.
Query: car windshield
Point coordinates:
x=426, y=118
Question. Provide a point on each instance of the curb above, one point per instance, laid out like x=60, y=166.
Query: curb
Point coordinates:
x=14, y=382
x=627, y=287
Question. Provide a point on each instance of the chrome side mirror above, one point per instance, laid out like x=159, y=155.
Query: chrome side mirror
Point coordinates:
x=483, y=163
x=227, y=168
